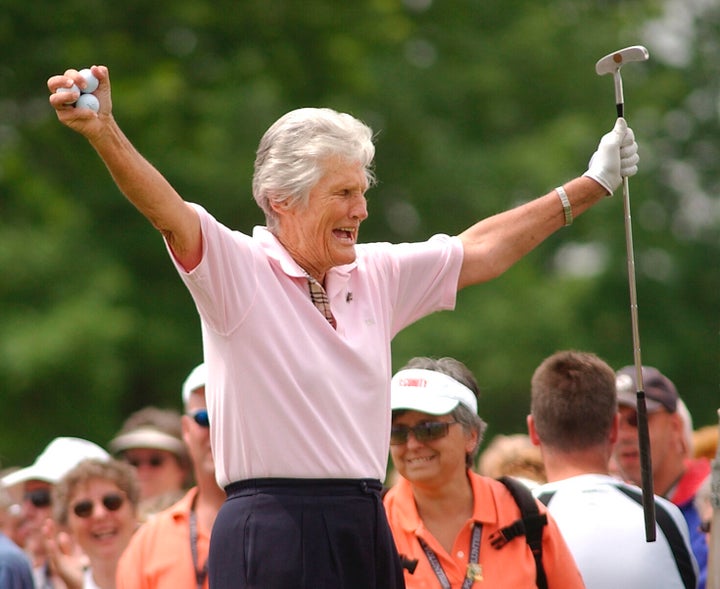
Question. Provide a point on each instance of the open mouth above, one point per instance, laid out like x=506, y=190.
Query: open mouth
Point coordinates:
x=345, y=234
x=419, y=460
x=104, y=535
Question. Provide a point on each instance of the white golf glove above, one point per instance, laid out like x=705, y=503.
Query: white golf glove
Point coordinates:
x=616, y=157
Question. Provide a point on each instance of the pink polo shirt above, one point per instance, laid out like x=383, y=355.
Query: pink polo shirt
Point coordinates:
x=288, y=395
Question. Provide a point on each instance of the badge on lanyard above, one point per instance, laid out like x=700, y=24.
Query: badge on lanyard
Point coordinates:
x=474, y=571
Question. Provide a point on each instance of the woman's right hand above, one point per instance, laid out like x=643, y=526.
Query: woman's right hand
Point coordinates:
x=83, y=120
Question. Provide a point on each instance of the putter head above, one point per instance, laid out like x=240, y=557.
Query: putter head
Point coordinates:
x=611, y=63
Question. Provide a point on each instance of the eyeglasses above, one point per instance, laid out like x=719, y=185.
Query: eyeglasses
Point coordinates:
x=154, y=461
x=631, y=418
x=39, y=497
x=85, y=508
x=705, y=526
x=425, y=432
x=201, y=417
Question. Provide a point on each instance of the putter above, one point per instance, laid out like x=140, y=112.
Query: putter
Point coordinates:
x=611, y=64
x=713, y=574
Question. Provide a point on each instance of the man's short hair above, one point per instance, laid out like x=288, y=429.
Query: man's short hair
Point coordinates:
x=573, y=400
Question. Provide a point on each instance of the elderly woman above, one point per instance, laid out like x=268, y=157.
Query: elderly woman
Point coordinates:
x=297, y=320
x=446, y=519
x=96, y=504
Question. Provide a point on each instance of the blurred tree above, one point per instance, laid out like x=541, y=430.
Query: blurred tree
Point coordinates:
x=478, y=105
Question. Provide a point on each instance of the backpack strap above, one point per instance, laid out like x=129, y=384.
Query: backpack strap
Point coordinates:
x=546, y=497
x=680, y=552
x=530, y=524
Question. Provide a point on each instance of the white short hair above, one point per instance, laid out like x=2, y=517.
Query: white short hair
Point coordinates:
x=293, y=151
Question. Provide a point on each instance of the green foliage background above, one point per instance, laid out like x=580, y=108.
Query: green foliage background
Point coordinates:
x=478, y=106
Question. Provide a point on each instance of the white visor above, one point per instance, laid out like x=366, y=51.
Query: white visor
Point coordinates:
x=429, y=391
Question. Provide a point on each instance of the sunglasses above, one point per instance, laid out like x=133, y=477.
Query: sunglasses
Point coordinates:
x=425, y=432
x=85, y=508
x=154, y=461
x=201, y=417
x=630, y=418
x=39, y=497
x=705, y=526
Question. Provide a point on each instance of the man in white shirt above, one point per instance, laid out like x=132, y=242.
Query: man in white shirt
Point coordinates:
x=574, y=420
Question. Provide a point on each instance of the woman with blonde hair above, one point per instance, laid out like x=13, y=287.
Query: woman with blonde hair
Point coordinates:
x=95, y=509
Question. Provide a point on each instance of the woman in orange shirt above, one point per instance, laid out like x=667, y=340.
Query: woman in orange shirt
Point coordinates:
x=445, y=518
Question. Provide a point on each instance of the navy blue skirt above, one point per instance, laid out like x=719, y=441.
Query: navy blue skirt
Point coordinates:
x=303, y=534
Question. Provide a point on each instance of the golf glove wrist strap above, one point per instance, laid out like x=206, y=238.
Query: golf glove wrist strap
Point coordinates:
x=567, y=209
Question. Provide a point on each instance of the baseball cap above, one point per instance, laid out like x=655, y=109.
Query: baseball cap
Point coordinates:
x=659, y=389
x=195, y=380
x=429, y=391
x=59, y=457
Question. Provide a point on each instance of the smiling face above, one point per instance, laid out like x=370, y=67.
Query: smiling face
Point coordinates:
x=105, y=533
x=433, y=463
x=323, y=234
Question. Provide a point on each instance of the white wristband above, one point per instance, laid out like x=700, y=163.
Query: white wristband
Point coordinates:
x=567, y=209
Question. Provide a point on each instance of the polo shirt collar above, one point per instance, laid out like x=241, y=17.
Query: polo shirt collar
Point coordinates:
x=181, y=509
x=484, y=511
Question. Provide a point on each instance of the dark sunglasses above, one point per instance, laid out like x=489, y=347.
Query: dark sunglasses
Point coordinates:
x=425, y=432
x=705, y=526
x=85, y=508
x=39, y=497
x=155, y=461
x=201, y=417
x=632, y=418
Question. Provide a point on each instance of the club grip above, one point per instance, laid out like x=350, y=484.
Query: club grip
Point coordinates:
x=648, y=495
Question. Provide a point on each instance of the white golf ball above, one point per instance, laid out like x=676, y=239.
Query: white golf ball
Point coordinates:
x=88, y=101
x=92, y=81
x=73, y=88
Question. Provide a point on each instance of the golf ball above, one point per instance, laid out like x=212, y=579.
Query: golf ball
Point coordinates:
x=92, y=81
x=73, y=88
x=88, y=101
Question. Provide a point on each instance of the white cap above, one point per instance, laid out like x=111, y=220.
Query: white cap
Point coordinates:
x=59, y=457
x=195, y=380
x=429, y=391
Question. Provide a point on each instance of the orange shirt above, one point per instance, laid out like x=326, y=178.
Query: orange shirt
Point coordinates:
x=510, y=567
x=159, y=554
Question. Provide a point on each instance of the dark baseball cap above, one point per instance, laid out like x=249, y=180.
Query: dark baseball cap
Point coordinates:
x=659, y=389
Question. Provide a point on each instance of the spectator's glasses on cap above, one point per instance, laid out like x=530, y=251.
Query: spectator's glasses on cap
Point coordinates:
x=424, y=432
x=201, y=417
x=85, y=508
x=39, y=497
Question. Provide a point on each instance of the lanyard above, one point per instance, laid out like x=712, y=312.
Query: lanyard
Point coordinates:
x=200, y=573
x=474, y=569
